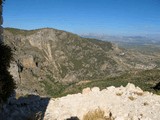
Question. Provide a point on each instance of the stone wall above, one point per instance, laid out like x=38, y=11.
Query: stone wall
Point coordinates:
x=1, y=21
x=1, y=29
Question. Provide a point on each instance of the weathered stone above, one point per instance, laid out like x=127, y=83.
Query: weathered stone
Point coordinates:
x=86, y=90
x=1, y=20
x=69, y=78
x=110, y=88
x=116, y=107
x=119, y=118
x=14, y=72
x=119, y=106
x=95, y=89
x=28, y=61
x=130, y=87
x=139, y=90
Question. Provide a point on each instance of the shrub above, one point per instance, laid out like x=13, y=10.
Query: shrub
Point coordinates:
x=131, y=98
x=97, y=114
x=73, y=118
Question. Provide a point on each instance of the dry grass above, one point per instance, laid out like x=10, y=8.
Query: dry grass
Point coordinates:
x=145, y=103
x=119, y=94
x=139, y=93
x=97, y=114
x=131, y=98
x=83, y=82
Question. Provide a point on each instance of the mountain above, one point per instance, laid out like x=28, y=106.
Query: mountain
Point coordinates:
x=127, y=40
x=46, y=60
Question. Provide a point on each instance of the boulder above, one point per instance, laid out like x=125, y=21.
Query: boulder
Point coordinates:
x=27, y=61
x=14, y=72
x=95, y=89
x=86, y=90
x=130, y=87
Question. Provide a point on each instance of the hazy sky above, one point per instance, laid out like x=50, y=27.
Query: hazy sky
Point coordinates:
x=129, y=17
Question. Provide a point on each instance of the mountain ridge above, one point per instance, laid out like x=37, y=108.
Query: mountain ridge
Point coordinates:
x=50, y=59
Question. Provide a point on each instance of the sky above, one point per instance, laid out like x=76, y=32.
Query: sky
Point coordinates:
x=112, y=17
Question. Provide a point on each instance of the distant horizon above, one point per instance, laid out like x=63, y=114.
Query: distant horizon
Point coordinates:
x=94, y=34
x=82, y=33
x=119, y=17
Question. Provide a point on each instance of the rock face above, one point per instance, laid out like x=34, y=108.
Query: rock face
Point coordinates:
x=24, y=108
x=1, y=29
x=1, y=22
x=124, y=103
x=121, y=103
x=14, y=72
x=46, y=56
x=28, y=61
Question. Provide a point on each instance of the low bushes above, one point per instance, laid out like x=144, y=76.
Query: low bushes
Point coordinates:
x=97, y=114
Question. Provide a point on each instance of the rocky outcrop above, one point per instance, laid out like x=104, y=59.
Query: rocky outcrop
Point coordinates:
x=28, y=61
x=14, y=72
x=123, y=103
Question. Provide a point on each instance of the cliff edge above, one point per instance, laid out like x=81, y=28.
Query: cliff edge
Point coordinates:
x=121, y=103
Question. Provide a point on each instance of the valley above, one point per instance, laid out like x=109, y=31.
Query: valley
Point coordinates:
x=56, y=63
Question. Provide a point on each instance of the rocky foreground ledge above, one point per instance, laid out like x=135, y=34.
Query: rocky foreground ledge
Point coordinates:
x=121, y=103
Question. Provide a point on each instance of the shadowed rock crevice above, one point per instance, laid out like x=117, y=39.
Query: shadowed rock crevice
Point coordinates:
x=7, y=84
x=157, y=86
x=30, y=107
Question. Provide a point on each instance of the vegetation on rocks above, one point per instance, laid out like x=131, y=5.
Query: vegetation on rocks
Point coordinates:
x=21, y=32
x=145, y=79
x=69, y=59
x=97, y=114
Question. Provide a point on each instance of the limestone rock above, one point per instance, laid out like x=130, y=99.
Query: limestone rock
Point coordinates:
x=130, y=87
x=119, y=106
x=28, y=61
x=110, y=88
x=95, y=89
x=86, y=90
x=14, y=72
x=119, y=118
